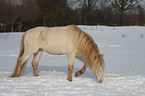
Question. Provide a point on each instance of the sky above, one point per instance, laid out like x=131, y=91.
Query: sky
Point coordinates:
x=143, y=3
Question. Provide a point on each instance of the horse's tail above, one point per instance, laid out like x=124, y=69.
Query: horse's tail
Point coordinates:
x=20, y=55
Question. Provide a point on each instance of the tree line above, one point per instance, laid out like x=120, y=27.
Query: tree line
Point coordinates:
x=21, y=16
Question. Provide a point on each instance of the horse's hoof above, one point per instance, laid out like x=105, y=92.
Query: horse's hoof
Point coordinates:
x=11, y=76
x=36, y=75
x=77, y=74
x=70, y=80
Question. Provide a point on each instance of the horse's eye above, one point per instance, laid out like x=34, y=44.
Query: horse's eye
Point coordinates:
x=95, y=58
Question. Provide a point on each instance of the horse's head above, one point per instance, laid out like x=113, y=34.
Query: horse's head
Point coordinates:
x=98, y=68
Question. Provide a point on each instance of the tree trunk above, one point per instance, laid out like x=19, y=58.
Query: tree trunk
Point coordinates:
x=121, y=18
x=19, y=28
x=12, y=27
x=44, y=21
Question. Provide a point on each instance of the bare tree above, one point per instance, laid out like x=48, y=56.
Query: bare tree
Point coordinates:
x=50, y=7
x=28, y=12
x=87, y=6
x=141, y=15
x=123, y=5
x=8, y=13
x=2, y=13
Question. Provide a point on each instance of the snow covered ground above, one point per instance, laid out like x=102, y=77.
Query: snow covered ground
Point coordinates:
x=124, y=74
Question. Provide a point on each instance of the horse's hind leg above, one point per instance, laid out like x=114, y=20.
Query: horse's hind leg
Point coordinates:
x=27, y=54
x=21, y=63
x=35, y=62
x=80, y=72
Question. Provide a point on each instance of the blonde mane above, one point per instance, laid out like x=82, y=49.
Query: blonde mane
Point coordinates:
x=87, y=49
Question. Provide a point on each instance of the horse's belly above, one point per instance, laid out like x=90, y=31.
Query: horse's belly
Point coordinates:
x=56, y=48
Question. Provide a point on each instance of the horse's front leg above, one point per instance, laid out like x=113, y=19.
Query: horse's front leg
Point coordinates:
x=80, y=72
x=35, y=62
x=71, y=58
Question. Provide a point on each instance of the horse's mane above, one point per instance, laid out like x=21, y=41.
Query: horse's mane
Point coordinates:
x=87, y=49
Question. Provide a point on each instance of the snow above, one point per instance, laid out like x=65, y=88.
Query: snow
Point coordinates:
x=124, y=74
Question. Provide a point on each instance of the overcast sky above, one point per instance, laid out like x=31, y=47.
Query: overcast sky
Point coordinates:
x=143, y=3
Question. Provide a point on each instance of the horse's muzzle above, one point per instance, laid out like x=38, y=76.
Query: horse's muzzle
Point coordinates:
x=100, y=80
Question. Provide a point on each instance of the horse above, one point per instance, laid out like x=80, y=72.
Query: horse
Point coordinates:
x=69, y=40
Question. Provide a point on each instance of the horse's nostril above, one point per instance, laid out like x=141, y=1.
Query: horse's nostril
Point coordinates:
x=100, y=81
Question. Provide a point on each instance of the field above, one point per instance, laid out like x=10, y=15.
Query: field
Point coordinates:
x=124, y=74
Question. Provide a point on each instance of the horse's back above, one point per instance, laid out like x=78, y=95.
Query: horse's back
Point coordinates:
x=52, y=40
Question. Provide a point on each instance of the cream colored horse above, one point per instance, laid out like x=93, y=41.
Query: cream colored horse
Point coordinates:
x=69, y=40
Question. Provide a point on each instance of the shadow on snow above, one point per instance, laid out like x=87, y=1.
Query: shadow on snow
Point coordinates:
x=64, y=69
